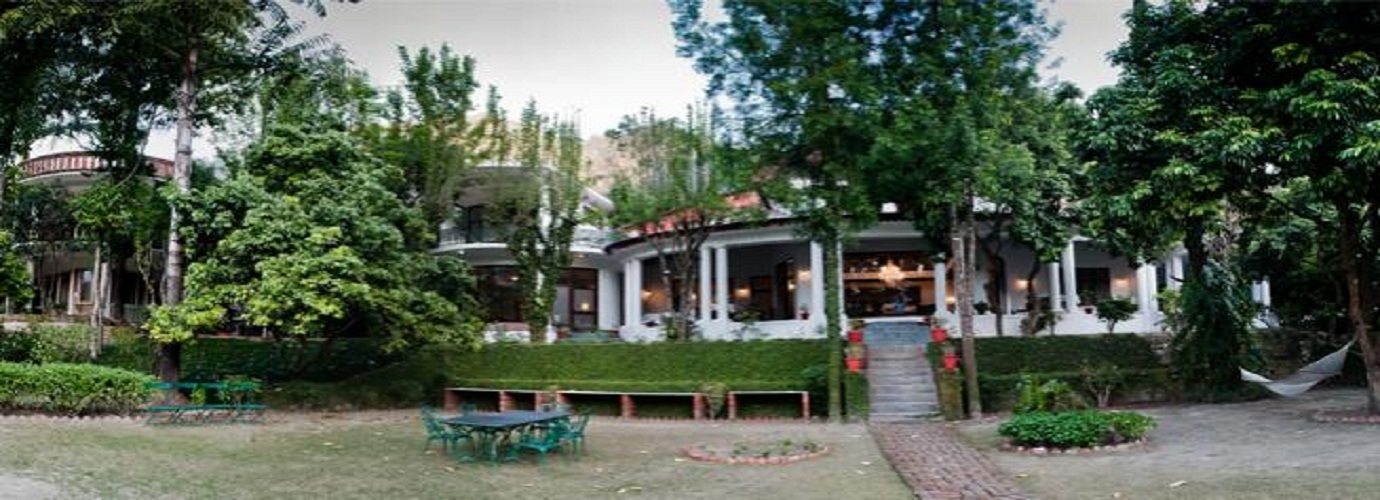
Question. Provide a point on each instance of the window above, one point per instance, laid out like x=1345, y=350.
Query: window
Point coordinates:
x=86, y=286
x=576, y=305
x=1094, y=284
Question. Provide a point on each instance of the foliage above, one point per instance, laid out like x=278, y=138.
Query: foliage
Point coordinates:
x=1139, y=385
x=218, y=358
x=677, y=195
x=14, y=272
x=1115, y=310
x=1046, y=396
x=580, y=366
x=1101, y=381
x=540, y=210
x=1215, y=341
x=794, y=71
x=1002, y=356
x=1075, y=429
x=45, y=343
x=856, y=398
x=307, y=240
x=70, y=389
x=950, y=388
x=715, y=395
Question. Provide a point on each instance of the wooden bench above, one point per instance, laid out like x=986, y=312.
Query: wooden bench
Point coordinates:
x=204, y=402
x=627, y=401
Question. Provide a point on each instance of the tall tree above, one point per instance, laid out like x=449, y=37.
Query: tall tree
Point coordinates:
x=794, y=71
x=675, y=197
x=540, y=210
x=955, y=80
x=438, y=130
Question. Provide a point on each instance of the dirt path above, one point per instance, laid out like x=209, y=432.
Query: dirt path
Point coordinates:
x=19, y=488
x=1262, y=449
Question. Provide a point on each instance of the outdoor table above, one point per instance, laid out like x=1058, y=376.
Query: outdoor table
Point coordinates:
x=492, y=430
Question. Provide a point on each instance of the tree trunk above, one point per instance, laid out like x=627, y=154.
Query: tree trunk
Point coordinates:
x=832, y=325
x=1349, y=244
x=963, y=294
x=170, y=355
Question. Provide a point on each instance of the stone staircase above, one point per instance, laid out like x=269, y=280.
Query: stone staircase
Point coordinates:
x=898, y=374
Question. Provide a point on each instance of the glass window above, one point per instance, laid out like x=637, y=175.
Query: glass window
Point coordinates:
x=86, y=286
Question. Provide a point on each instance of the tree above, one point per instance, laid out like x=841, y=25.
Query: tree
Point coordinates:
x=1305, y=74
x=675, y=197
x=210, y=48
x=795, y=73
x=540, y=210
x=1172, y=158
x=432, y=131
x=956, y=86
x=314, y=245
x=1115, y=310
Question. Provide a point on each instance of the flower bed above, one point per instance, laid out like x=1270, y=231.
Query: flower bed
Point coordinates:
x=781, y=452
x=1075, y=429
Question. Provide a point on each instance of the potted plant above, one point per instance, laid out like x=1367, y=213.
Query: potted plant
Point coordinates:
x=854, y=356
x=950, y=357
x=937, y=331
x=980, y=307
x=855, y=331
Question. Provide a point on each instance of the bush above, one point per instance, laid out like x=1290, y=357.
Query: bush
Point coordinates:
x=1049, y=395
x=48, y=343
x=70, y=389
x=856, y=400
x=217, y=358
x=1075, y=429
x=1000, y=392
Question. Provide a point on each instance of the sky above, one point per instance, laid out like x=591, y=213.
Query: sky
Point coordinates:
x=598, y=60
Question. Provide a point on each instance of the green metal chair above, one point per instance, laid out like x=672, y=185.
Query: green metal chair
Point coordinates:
x=575, y=434
x=438, y=431
x=542, y=441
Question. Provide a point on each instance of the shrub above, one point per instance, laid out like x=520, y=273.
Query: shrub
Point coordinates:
x=1075, y=429
x=856, y=400
x=1115, y=310
x=1050, y=395
x=70, y=389
x=216, y=358
x=48, y=343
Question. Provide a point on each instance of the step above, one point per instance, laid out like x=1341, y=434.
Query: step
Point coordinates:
x=904, y=409
x=896, y=397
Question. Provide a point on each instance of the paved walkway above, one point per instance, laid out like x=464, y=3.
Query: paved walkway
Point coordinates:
x=930, y=457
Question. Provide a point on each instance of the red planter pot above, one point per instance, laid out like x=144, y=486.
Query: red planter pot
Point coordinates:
x=855, y=336
x=938, y=335
x=854, y=365
x=950, y=361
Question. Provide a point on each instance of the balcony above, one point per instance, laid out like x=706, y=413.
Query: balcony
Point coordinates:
x=81, y=162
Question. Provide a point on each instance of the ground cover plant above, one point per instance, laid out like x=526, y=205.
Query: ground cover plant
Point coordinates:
x=379, y=455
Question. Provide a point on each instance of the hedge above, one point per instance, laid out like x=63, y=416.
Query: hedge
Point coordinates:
x=48, y=343
x=217, y=358
x=1003, y=361
x=857, y=400
x=757, y=365
x=657, y=367
x=70, y=389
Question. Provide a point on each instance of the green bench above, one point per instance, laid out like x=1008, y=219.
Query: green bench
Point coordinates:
x=204, y=402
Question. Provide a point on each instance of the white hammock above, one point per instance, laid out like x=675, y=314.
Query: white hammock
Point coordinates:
x=1306, y=377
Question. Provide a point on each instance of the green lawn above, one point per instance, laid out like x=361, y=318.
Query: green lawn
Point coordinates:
x=378, y=455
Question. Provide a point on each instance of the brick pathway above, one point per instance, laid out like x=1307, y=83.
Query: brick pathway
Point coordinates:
x=930, y=457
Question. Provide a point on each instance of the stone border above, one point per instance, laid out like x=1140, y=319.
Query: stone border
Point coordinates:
x=1142, y=443
x=1345, y=417
x=38, y=417
x=697, y=452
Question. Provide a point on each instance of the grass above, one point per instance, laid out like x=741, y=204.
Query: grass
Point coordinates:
x=378, y=455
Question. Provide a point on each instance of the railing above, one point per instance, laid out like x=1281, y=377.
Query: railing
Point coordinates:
x=81, y=162
x=585, y=236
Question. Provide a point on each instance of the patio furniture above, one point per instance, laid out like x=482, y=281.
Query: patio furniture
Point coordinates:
x=542, y=440
x=575, y=433
x=449, y=435
x=493, y=432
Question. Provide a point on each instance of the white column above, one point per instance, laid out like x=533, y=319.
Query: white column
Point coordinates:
x=632, y=293
x=1055, y=296
x=608, y=300
x=941, y=287
x=721, y=281
x=817, y=282
x=1176, y=271
x=1265, y=292
x=706, y=268
x=1145, y=288
x=1070, y=280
